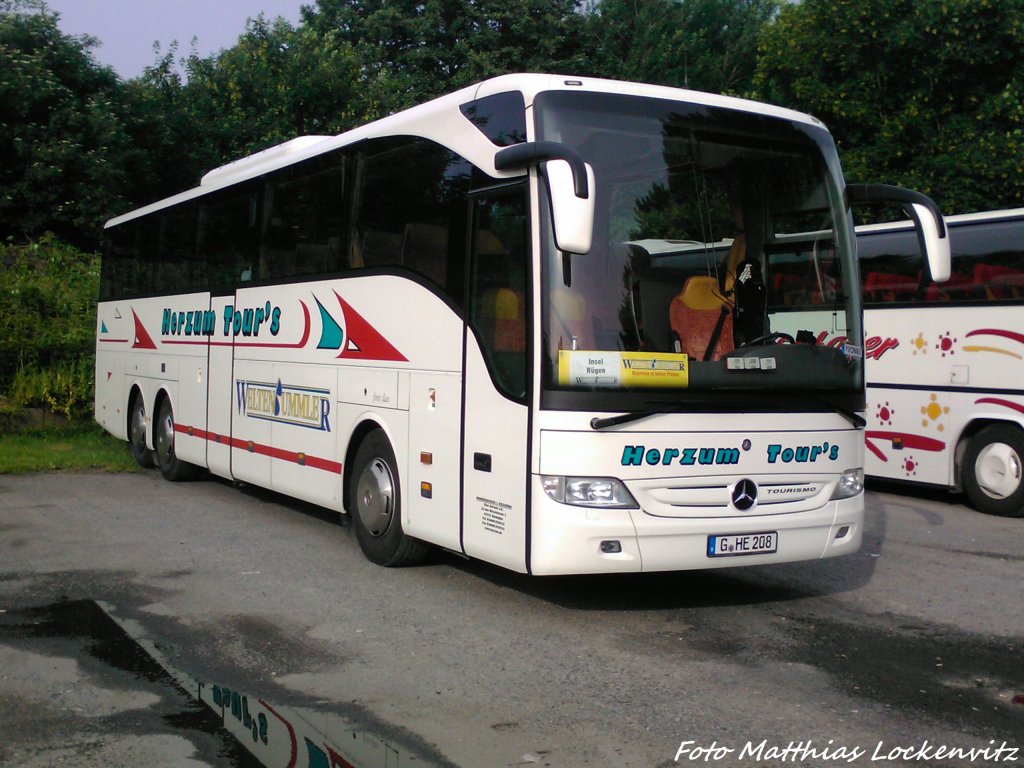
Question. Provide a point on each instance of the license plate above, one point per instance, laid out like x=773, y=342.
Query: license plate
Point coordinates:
x=735, y=544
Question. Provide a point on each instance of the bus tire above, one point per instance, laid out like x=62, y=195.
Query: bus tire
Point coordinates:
x=171, y=467
x=137, y=433
x=376, y=505
x=991, y=472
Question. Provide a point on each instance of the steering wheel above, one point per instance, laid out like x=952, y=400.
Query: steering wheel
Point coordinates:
x=767, y=338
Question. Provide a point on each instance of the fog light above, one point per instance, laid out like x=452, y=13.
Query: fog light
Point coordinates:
x=841, y=533
x=611, y=547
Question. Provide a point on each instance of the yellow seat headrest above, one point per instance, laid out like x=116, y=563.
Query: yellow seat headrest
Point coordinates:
x=702, y=292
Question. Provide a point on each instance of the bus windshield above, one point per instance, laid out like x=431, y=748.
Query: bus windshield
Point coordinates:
x=693, y=284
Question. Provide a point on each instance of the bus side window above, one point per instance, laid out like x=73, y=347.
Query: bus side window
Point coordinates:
x=425, y=249
x=990, y=257
x=177, y=268
x=408, y=210
x=498, y=286
x=303, y=229
x=890, y=267
x=122, y=273
x=228, y=235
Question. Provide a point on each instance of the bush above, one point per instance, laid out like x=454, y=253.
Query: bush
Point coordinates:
x=48, y=318
x=65, y=388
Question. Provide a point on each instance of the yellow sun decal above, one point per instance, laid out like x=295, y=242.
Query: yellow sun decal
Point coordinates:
x=919, y=344
x=932, y=412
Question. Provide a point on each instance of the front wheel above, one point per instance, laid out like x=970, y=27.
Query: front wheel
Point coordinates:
x=171, y=467
x=376, y=506
x=991, y=471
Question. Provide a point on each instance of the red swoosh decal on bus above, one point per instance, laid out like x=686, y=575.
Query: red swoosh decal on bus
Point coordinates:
x=914, y=442
x=1014, y=336
x=291, y=734
x=998, y=401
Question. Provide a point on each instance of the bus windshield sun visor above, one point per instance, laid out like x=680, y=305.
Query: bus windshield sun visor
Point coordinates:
x=521, y=156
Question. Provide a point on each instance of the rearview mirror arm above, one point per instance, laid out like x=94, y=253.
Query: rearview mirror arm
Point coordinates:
x=887, y=193
x=520, y=156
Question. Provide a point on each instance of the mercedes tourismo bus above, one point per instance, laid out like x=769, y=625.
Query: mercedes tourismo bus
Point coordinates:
x=446, y=324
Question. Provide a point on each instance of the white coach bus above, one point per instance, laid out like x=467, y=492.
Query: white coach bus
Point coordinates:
x=945, y=360
x=946, y=382
x=446, y=325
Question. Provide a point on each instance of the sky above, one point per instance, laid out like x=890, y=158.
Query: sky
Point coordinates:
x=127, y=28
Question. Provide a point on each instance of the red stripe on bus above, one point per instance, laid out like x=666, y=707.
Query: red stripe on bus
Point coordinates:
x=291, y=734
x=295, y=457
x=998, y=332
x=916, y=442
x=1000, y=401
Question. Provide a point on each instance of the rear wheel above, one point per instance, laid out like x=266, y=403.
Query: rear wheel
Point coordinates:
x=992, y=471
x=137, y=433
x=171, y=467
x=376, y=506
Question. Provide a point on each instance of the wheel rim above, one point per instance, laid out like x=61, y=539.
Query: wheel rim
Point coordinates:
x=998, y=469
x=375, y=497
x=139, y=426
x=165, y=437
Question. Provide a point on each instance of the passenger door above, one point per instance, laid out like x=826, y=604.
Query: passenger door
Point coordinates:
x=496, y=380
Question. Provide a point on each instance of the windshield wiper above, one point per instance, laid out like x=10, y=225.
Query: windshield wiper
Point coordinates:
x=852, y=416
x=625, y=418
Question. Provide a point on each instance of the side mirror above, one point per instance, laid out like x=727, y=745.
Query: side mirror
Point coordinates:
x=570, y=183
x=572, y=216
x=931, y=228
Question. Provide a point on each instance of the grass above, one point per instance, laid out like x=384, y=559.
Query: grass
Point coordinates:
x=69, y=448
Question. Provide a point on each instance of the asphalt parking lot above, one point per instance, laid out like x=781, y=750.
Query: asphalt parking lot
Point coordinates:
x=202, y=624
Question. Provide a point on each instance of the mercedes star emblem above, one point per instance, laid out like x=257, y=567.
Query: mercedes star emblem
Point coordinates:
x=744, y=495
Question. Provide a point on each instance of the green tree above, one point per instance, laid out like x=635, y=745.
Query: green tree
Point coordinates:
x=61, y=138
x=47, y=307
x=413, y=50
x=924, y=93
x=708, y=45
x=275, y=83
x=170, y=144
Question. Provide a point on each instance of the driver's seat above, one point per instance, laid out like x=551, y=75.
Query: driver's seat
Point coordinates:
x=701, y=319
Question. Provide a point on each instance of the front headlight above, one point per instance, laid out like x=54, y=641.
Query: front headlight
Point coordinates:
x=603, y=492
x=850, y=484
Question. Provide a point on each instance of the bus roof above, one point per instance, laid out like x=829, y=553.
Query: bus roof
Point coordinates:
x=441, y=120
